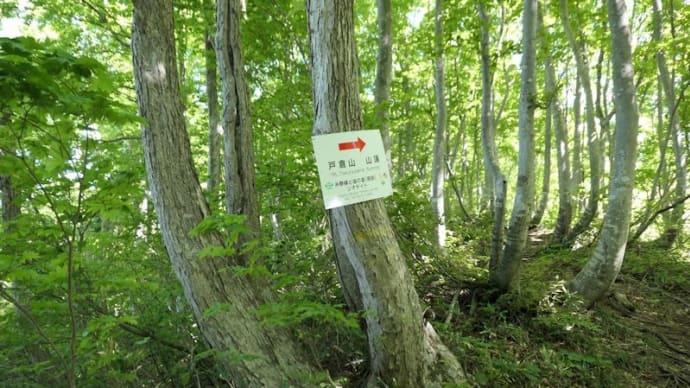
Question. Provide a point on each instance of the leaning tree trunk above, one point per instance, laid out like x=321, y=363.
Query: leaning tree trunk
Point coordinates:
x=249, y=354
x=403, y=348
x=438, y=167
x=495, y=180
x=516, y=238
x=675, y=222
x=603, y=267
x=593, y=141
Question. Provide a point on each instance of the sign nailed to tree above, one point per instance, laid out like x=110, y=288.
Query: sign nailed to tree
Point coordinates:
x=352, y=167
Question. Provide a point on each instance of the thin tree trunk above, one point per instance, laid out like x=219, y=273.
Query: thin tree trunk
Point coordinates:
x=222, y=302
x=8, y=199
x=495, y=180
x=384, y=74
x=593, y=141
x=214, y=139
x=438, y=169
x=372, y=268
x=516, y=237
x=578, y=170
x=565, y=198
x=674, y=224
x=546, y=175
x=603, y=267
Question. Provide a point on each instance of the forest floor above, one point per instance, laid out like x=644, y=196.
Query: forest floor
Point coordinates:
x=540, y=335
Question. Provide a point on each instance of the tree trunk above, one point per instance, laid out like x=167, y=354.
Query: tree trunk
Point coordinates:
x=546, y=175
x=603, y=267
x=240, y=194
x=222, y=302
x=593, y=141
x=508, y=265
x=495, y=180
x=675, y=222
x=8, y=199
x=438, y=168
x=565, y=198
x=372, y=268
x=214, y=139
x=384, y=74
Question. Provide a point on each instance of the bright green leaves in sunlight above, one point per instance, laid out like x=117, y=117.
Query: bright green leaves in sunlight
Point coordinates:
x=82, y=265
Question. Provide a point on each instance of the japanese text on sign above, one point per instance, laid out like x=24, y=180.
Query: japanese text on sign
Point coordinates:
x=352, y=167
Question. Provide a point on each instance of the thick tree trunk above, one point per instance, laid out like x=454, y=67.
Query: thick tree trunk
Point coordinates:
x=384, y=74
x=596, y=157
x=372, y=267
x=516, y=238
x=240, y=194
x=248, y=353
x=438, y=168
x=675, y=222
x=601, y=270
x=495, y=180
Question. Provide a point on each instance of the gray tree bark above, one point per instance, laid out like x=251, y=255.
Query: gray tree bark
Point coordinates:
x=214, y=139
x=516, y=238
x=546, y=175
x=371, y=266
x=596, y=157
x=601, y=270
x=565, y=198
x=240, y=194
x=249, y=354
x=496, y=186
x=384, y=74
x=675, y=222
x=438, y=167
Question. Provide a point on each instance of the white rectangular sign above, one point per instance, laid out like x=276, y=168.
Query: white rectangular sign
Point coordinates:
x=352, y=167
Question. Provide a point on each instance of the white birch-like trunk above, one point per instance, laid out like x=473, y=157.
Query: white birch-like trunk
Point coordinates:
x=516, y=238
x=675, y=222
x=438, y=168
x=601, y=270
x=496, y=187
x=565, y=198
x=596, y=157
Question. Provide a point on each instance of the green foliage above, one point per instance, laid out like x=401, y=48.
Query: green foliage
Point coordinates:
x=69, y=141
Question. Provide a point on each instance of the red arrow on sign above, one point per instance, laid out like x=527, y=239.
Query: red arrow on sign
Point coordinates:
x=351, y=145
